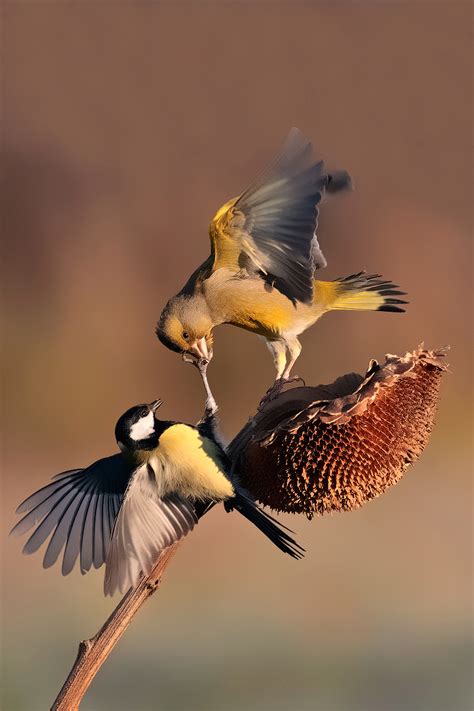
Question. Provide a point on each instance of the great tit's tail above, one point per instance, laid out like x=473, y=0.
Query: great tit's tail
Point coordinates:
x=269, y=526
x=358, y=292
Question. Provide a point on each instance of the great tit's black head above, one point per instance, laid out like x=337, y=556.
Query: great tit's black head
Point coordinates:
x=185, y=327
x=137, y=427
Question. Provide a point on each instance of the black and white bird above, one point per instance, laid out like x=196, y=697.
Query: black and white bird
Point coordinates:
x=125, y=509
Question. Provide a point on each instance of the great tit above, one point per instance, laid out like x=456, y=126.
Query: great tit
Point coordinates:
x=125, y=509
x=260, y=273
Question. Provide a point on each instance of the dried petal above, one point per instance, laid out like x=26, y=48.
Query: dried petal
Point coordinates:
x=313, y=450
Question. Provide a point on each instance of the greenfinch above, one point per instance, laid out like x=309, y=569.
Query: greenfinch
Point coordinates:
x=260, y=274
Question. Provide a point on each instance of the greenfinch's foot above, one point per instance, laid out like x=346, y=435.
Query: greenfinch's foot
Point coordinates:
x=293, y=379
x=277, y=387
x=199, y=363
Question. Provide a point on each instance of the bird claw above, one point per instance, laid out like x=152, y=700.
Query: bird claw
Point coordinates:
x=199, y=363
x=277, y=387
x=294, y=379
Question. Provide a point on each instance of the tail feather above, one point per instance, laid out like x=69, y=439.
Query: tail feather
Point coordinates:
x=338, y=181
x=269, y=526
x=359, y=292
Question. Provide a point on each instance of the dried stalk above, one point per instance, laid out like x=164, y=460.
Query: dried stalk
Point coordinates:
x=94, y=651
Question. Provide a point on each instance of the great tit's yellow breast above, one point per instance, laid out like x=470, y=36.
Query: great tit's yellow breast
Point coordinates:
x=187, y=463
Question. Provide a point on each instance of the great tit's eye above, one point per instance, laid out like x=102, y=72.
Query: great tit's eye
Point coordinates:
x=185, y=335
x=143, y=412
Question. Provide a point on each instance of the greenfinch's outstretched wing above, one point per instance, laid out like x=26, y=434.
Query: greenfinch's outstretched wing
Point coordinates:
x=78, y=510
x=146, y=524
x=271, y=227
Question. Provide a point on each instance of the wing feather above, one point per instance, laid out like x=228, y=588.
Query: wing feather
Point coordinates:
x=87, y=534
x=42, y=506
x=40, y=496
x=49, y=523
x=73, y=537
x=145, y=525
x=77, y=511
x=271, y=228
x=99, y=554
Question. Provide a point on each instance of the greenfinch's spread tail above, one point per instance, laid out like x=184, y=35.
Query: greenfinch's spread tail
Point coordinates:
x=358, y=292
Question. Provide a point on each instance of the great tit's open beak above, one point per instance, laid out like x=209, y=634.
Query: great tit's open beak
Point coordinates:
x=156, y=404
x=200, y=350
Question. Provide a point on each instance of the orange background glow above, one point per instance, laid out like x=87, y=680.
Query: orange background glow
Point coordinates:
x=125, y=126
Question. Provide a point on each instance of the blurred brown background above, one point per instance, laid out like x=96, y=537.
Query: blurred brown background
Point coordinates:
x=125, y=126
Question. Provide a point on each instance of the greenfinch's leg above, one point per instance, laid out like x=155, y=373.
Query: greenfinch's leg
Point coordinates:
x=293, y=347
x=278, y=351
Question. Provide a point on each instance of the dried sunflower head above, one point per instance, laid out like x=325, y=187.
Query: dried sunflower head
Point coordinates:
x=333, y=447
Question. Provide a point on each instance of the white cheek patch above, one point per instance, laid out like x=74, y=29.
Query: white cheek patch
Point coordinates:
x=144, y=428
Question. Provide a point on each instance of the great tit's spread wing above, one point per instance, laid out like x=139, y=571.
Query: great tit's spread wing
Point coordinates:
x=271, y=227
x=146, y=524
x=77, y=510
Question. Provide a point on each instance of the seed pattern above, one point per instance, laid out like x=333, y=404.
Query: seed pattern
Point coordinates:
x=335, y=455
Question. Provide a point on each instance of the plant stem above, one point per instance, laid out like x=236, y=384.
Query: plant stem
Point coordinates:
x=94, y=651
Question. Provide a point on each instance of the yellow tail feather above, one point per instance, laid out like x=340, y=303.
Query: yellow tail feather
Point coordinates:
x=358, y=292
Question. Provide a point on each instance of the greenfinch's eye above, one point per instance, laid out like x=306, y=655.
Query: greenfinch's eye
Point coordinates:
x=185, y=335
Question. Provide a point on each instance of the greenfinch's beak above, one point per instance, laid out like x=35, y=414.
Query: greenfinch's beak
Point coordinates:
x=200, y=350
x=155, y=404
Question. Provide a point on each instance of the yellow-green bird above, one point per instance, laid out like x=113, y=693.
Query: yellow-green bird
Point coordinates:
x=260, y=273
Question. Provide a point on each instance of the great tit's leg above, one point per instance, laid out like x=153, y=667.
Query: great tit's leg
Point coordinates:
x=201, y=364
x=210, y=407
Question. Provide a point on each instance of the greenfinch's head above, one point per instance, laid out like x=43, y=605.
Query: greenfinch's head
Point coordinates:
x=186, y=327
